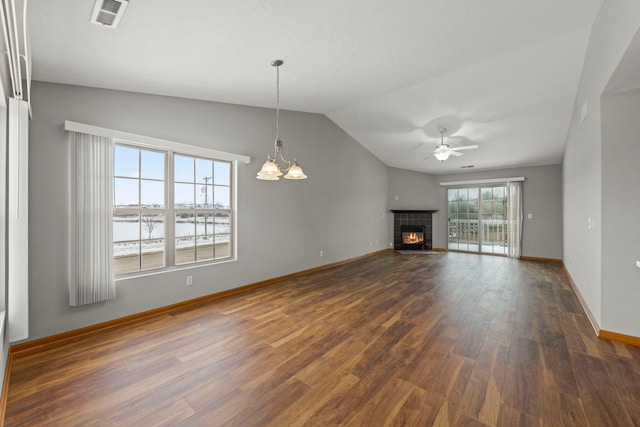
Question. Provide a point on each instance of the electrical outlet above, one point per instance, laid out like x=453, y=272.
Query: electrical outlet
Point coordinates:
x=370, y=243
x=321, y=253
x=189, y=280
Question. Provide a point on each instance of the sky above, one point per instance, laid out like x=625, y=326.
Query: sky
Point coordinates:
x=192, y=179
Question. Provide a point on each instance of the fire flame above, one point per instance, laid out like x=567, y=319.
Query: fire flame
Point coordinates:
x=412, y=238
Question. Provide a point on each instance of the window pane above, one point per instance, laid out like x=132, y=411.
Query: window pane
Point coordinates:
x=223, y=246
x=152, y=194
x=152, y=164
x=211, y=223
x=152, y=254
x=204, y=250
x=204, y=224
x=185, y=225
x=498, y=209
x=185, y=250
x=152, y=226
x=221, y=196
x=222, y=173
x=205, y=193
x=222, y=221
x=126, y=161
x=183, y=195
x=126, y=257
x=204, y=171
x=183, y=169
x=125, y=192
x=486, y=207
x=126, y=227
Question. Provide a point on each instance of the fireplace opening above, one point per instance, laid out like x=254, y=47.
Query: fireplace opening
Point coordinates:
x=412, y=237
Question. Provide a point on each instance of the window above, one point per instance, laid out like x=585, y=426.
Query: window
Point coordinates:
x=169, y=209
x=139, y=209
x=202, y=209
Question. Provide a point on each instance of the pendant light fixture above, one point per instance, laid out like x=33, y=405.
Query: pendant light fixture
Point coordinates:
x=271, y=169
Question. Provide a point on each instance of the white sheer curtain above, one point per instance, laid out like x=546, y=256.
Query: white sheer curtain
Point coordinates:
x=91, y=269
x=514, y=229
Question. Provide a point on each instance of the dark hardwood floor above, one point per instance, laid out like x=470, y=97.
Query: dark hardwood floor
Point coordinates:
x=403, y=340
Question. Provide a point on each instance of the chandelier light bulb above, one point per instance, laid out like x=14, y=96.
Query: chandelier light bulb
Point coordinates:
x=442, y=155
x=295, y=172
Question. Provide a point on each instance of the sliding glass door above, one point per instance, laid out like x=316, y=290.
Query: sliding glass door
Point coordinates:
x=464, y=207
x=478, y=219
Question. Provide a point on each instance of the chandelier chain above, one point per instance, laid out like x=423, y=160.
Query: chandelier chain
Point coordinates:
x=277, y=102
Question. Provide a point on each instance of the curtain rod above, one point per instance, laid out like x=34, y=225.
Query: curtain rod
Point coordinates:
x=483, y=181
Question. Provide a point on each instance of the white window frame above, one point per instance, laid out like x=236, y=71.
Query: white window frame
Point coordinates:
x=171, y=147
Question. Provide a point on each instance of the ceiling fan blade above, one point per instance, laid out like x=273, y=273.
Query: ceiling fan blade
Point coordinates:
x=466, y=147
x=455, y=153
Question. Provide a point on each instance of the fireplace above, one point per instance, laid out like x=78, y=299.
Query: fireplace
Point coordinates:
x=412, y=230
x=412, y=237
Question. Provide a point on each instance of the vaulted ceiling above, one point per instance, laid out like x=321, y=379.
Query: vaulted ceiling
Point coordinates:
x=501, y=74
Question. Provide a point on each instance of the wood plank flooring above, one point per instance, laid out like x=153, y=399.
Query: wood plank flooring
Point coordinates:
x=400, y=340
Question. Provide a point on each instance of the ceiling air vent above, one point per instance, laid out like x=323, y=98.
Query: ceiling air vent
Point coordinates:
x=108, y=12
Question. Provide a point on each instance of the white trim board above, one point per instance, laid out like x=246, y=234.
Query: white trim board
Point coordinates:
x=152, y=142
x=482, y=181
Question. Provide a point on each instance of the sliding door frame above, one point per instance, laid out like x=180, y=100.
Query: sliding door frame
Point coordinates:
x=494, y=226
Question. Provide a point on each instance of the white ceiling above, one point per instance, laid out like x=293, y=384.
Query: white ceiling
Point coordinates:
x=502, y=74
x=627, y=74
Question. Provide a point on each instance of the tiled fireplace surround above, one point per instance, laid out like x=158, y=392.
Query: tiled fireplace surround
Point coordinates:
x=413, y=217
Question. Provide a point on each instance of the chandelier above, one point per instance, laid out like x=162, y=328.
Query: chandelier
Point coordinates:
x=271, y=169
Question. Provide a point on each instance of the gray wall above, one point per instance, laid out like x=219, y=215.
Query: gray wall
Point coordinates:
x=542, y=197
x=620, y=212
x=412, y=190
x=613, y=29
x=282, y=226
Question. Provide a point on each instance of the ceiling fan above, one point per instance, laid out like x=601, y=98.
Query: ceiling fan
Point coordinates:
x=443, y=151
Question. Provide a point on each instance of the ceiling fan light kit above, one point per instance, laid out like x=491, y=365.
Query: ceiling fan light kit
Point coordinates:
x=443, y=151
x=271, y=170
x=442, y=155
